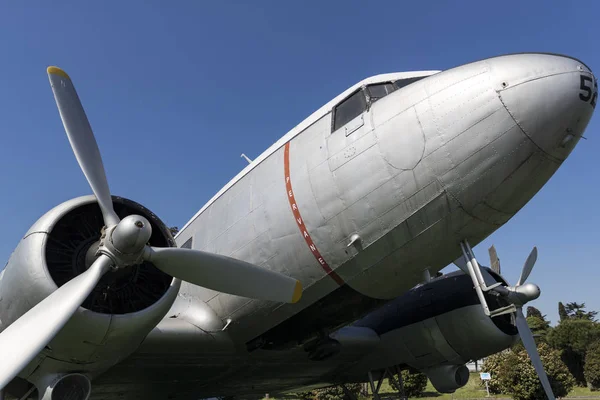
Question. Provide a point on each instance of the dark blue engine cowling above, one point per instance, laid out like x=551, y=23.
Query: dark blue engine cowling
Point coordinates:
x=438, y=327
x=439, y=296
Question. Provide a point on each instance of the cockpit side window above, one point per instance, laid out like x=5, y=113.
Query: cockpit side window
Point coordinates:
x=405, y=82
x=379, y=90
x=359, y=101
x=349, y=109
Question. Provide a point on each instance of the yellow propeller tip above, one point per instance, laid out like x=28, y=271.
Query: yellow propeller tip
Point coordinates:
x=297, y=292
x=57, y=71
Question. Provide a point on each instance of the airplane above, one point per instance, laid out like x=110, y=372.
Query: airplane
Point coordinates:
x=390, y=181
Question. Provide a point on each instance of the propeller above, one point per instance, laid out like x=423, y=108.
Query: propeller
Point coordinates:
x=519, y=295
x=82, y=140
x=494, y=260
x=27, y=336
x=124, y=244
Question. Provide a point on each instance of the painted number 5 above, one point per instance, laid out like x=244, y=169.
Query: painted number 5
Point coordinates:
x=589, y=92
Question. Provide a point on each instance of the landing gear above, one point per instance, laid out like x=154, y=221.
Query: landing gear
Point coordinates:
x=399, y=384
x=375, y=390
x=470, y=264
x=387, y=373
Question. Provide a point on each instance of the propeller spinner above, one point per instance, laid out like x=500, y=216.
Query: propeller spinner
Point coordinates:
x=123, y=244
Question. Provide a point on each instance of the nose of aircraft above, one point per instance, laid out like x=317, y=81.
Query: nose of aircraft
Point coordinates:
x=551, y=97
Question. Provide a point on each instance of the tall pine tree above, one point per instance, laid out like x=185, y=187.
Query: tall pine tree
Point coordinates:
x=537, y=322
x=534, y=312
x=577, y=311
x=562, y=313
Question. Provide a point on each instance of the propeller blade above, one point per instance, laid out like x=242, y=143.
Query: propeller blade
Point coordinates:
x=27, y=336
x=461, y=264
x=494, y=260
x=531, y=348
x=224, y=274
x=528, y=266
x=82, y=140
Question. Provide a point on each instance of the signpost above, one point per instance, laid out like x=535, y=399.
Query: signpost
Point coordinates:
x=486, y=376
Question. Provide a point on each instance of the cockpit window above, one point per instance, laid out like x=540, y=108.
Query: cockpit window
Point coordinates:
x=379, y=90
x=349, y=109
x=405, y=82
x=356, y=104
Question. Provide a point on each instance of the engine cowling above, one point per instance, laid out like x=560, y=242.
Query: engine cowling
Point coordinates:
x=438, y=327
x=120, y=312
x=69, y=386
x=448, y=378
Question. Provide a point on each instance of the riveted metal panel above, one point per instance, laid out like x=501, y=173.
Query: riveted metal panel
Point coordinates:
x=401, y=140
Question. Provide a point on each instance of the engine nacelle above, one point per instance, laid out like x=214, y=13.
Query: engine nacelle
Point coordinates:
x=123, y=308
x=448, y=378
x=69, y=386
x=437, y=327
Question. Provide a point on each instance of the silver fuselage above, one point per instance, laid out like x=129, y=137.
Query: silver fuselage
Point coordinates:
x=450, y=157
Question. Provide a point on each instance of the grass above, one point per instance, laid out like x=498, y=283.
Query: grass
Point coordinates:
x=472, y=390
x=583, y=392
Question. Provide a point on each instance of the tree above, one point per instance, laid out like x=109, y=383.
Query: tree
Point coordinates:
x=534, y=312
x=575, y=310
x=591, y=369
x=414, y=382
x=562, y=313
x=539, y=327
x=537, y=322
x=573, y=337
x=513, y=374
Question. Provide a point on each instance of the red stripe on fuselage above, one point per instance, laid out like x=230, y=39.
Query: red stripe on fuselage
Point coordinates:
x=300, y=221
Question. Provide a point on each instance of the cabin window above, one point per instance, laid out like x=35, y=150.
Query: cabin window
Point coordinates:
x=379, y=90
x=349, y=109
x=405, y=82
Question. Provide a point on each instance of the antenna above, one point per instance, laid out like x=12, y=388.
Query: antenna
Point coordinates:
x=247, y=159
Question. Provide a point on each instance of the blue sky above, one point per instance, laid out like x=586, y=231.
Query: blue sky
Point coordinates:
x=177, y=91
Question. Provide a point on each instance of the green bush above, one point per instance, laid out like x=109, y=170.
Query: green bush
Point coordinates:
x=493, y=365
x=414, y=382
x=573, y=337
x=336, y=392
x=513, y=374
x=591, y=369
x=309, y=395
